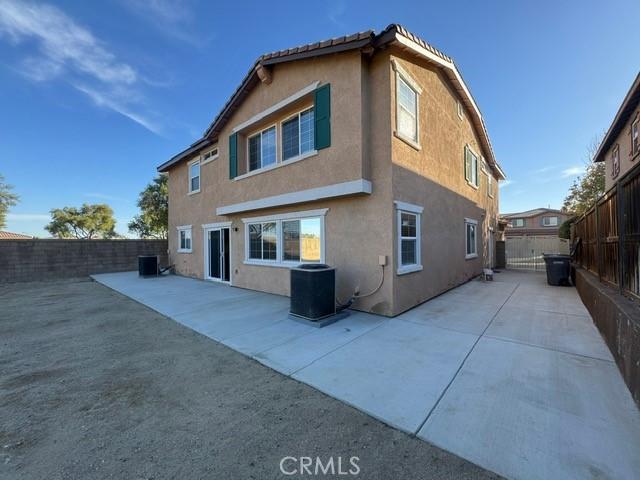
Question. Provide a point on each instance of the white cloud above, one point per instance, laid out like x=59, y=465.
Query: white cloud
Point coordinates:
x=28, y=217
x=70, y=51
x=336, y=11
x=545, y=169
x=505, y=183
x=572, y=171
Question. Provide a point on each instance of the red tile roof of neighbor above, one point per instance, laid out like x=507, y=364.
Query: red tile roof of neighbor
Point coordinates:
x=13, y=236
x=394, y=33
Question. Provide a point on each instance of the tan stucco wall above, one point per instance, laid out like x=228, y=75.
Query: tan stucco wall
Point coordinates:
x=433, y=177
x=626, y=160
x=359, y=228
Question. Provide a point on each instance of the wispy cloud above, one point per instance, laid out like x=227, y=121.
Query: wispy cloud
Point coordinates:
x=69, y=51
x=174, y=18
x=337, y=8
x=505, y=183
x=546, y=169
x=572, y=171
x=28, y=217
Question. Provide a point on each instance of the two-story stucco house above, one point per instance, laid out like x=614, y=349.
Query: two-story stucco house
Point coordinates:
x=541, y=222
x=365, y=152
x=620, y=148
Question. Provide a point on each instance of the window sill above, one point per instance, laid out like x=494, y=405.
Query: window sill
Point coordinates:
x=185, y=251
x=193, y=192
x=288, y=161
x=471, y=257
x=209, y=160
x=412, y=143
x=473, y=185
x=409, y=269
x=267, y=263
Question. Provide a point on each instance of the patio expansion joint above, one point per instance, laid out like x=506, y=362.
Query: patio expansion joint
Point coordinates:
x=543, y=347
x=464, y=360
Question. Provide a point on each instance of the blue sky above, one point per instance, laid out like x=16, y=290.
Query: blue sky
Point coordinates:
x=94, y=95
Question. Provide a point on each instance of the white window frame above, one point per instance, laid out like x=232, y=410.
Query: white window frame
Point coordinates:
x=401, y=74
x=209, y=155
x=635, y=146
x=403, y=207
x=615, y=162
x=278, y=219
x=475, y=168
x=513, y=223
x=261, y=132
x=300, y=156
x=188, y=233
x=189, y=166
x=459, y=109
x=474, y=254
x=545, y=224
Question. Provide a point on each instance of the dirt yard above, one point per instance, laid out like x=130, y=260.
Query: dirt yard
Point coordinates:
x=94, y=385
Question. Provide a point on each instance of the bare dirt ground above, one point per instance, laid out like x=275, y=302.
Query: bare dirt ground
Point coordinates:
x=94, y=385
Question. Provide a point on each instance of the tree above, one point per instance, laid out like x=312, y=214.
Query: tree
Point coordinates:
x=564, y=231
x=88, y=222
x=153, y=202
x=7, y=199
x=586, y=190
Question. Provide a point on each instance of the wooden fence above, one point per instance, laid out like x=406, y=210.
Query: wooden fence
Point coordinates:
x=607, y=237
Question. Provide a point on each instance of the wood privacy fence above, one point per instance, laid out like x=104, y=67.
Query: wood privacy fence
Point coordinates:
x=607, y=237
x=526, y=252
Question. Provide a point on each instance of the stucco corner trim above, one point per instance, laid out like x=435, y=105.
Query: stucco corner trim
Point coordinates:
x=353, y=187
x=278, y=106
x=408, y=207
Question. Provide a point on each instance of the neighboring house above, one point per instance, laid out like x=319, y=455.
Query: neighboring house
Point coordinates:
x=14, y=236
x=620, y=148
x=358, y=152
x=538, y=222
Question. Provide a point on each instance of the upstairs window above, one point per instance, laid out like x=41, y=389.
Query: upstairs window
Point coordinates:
x=517, y=222
x=471, y=241
x=635, y=136
x=194, y=177
x=459, y=110
x=262, y=148
x=550, y=221
x=471, y=167
x=407, y=99
x=615, y=162
x=210, y=155
x=298, y=135
x=490, y=184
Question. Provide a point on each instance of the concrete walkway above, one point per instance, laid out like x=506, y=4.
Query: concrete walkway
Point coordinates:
x=511, y=375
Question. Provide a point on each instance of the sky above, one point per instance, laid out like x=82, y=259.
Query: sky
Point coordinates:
x=95, y=95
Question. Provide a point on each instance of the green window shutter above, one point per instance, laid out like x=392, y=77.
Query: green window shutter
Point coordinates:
x=322, y=112
x=233, y=155
x=467, y=164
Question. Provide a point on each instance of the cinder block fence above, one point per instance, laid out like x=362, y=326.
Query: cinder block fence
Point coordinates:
x=46, y=259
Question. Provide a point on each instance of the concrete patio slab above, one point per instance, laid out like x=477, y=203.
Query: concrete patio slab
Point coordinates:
x=444, y=312
x=395, y=372
x=532, y=413
x=510, y=374
x=300, y=352
x=572, y=334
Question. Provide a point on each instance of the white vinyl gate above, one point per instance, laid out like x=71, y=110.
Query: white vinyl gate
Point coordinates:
x=525, y=252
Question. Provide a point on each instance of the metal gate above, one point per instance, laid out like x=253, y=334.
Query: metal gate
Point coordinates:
x=526, y=252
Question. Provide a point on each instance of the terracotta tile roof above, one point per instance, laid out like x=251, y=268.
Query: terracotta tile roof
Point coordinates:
x=13, y=236
x=366, y=39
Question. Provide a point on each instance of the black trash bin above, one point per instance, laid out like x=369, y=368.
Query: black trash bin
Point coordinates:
x=313, y=291
x=558, y=269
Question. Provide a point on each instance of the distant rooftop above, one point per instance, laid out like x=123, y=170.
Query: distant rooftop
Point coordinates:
x=14, y=236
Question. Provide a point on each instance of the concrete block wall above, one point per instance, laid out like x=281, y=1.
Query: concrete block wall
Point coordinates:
x=618, y=319
x=47, y=259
